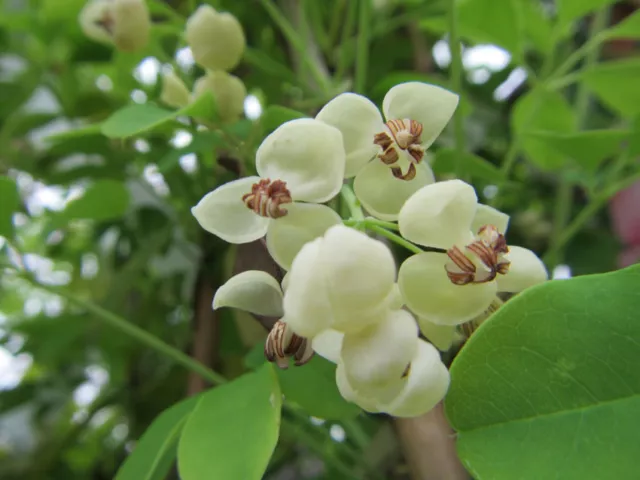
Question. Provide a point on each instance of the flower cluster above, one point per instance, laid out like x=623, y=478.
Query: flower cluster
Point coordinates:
x=343, y=296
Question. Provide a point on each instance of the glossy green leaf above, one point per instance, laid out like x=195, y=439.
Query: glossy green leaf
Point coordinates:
x=542, y=110
x=156, y=450
x=275, y=115
x=571, y=10
x=139, y=118
x=233, y=430
x=104, y=200
x=627, y=28
x=549, y=386
x=616, y=84
x=472, y=165
x=488, y=21
x=589, y=148
x=9, y=201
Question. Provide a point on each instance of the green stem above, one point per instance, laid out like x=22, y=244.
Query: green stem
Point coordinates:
x=352, y=203
x=586, y=49
x=343, y=55
x=394, y=238
x=134, y=332
x=456, y=85
x=382, y=223
x=362, y=53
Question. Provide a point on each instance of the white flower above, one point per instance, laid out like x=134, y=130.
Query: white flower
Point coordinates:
x=343, y=280
x=387, y=158
x=301, y=161
x=124, y=23
x=454, y=288
x=425, y=383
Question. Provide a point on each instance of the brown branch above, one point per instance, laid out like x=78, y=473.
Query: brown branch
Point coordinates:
x=428, y=443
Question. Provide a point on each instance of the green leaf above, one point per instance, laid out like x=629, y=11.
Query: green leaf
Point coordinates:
x=570, y=10
x=136, y=119
x=233, y=430
x=201, y=142
x=616, y=84
x=156, y=450
x=589, y=148
x=549, y=386
x=473, y=165
x=627, y=28
x=538, y=29
x=491, y=22
x=275, y=115
x=542, y=110
x=104, y=200
x=9, y=201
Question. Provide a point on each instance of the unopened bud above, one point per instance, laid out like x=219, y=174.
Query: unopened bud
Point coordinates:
x=229, y=93
x=216, y=39
x=174, y=92
x=123, y=23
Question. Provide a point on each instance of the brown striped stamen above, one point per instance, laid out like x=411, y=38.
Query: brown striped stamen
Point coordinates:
x=282, y=344
x=404, y=135
x=266, y=198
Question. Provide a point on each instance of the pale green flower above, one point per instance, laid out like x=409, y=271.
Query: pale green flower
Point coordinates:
x=228, y=91
x=301, y=161
x=454, y=288
x=174, y=92
x=387, y=158
x=123, y=23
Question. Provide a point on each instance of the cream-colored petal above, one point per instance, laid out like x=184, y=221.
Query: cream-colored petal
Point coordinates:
x=223, y=213
x=328, y=344
x=486, y=215
x=525, y=270
x=395, y=300
x=358, y=119
x=426, y=386
x=308, y=155
x=428, y=291
x=359, y=274
x=439, y=215
x=382, y=194
x=302, y=223
x=254, y=291
x=348, y=393
x=441, y=336
x=306, y=305
x=380, y=354
x=430, y=105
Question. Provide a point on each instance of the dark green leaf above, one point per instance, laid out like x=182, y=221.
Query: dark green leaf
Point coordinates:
x=156, y=450
x=474, y=166
x=615, y=83
x=233, y=430
x=549, y=386
x=9, y=201
x=104, y=200
x=589, y=149
x=275, y=115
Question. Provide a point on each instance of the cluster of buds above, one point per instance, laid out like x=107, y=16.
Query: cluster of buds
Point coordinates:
x=343, y=296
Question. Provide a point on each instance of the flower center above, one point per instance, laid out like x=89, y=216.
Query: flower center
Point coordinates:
x=403, y=135
x=266, y=198
x=282, y=344
x=481, y=261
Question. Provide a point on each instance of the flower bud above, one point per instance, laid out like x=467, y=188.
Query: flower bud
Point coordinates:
x=229, y=93
x=123, y=23
x=216, y=39
x=174, y=92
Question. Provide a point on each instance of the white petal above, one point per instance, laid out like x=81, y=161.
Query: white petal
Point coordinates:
x=441, y=336
x=428, y=291
x=359, y=274
x=525, y=270
x=253, y=291
x=439, y=215
x=486, y=215
x=302, y=223
x=358, y=119
x=430, y=105
x=306, y=304
x=328, y=344
x=308, y=155
x=395, y=300
x=346, y=390
x=382, y=194
x=380, y=354
x=426, y=386
x=223, y=213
